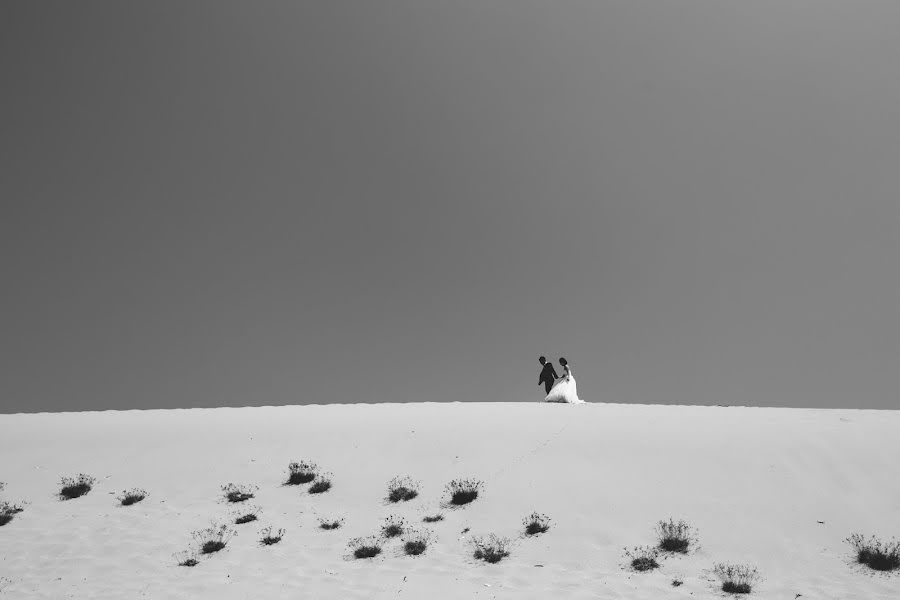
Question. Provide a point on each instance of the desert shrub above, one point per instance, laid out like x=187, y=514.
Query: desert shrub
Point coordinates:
x=433, y=518
x=463, y=491
x=8, y=511
x=674, y=537
x=415, y=542
x=131, y=497
x=393, y=526
x=872, y=552
x=536, y=523
x=321, y=484
x=402, y=489
x=2, y=485
x=268, y=538
x=643, y=558
x=187, y=558
x=214, y=538
x=491, y=549
x=4, y=582
x=11, y=508
x=301, y=472
x=736, y=579
x=365, y=547
x=676, y=582
x=238, y=493
x=247, y=514
x=75, y=487
x=330, y=524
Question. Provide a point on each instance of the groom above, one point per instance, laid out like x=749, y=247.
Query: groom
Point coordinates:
x=548, y=374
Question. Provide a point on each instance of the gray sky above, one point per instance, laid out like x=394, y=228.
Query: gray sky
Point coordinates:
x=221, y=203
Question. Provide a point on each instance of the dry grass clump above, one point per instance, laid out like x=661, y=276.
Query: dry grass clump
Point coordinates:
x=402, y=489
x=75, y=487
x=321, y=484
x=238, y=493
x=301, y=472
x=463, y=491
x=131, y=497
x=433, y=518
x=188, y=558
x=8, y=511
x=365, y=547
x=247, y=514
x=393, y=526
x=491, y=549
x=877, y=555
x=268, y=538
x=675, y=537
x=736, y=579
x=536, y=523
x=214, y=538
x=415, y=542
x=643, y=558
x=329, y=524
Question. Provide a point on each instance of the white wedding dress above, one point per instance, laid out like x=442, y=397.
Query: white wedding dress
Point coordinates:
x=564, y=390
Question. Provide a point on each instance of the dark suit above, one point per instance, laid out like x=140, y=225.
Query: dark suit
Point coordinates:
x=548, y=376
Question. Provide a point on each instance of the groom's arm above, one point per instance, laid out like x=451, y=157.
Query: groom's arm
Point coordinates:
x=552, y=370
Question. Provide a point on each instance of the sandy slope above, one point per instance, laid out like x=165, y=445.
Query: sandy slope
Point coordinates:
x=755, y=482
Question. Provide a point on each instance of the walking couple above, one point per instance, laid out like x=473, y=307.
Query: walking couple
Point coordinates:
x=559, y=389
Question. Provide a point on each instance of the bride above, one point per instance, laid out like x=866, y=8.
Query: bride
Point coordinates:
x=564, y=389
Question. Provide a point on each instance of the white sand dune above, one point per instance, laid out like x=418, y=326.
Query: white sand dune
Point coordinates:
x=779, y=489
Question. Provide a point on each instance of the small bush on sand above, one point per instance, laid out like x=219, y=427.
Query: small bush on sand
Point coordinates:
x=8, y=511
x=415, y=542
x=433, y=518
x=674, y=537
x=736, y=579
x=187, y=558
x=643, y=558
x=402, y=489
x=877, y=555
x=321, y=484
x=301, y=472
x=214, y=538
x=12, y=508
x=2, y=485
x=247, y=514
x=536, y=523
x=238, y=493
x=393, y=526
x=4, y=582
x=491, y=549
x=268, y=538
x=463, y=491
x=329, y=524
x=131, y=497
x=366, y=547
x=75, y=487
